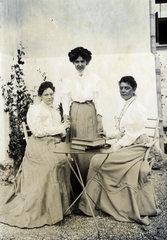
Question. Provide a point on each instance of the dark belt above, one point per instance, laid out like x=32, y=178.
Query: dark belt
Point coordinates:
x=87, y=101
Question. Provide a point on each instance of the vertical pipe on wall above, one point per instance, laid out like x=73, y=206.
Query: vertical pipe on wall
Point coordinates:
x=157, y=71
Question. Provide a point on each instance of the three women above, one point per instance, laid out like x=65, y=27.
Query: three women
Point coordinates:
x=121, y=187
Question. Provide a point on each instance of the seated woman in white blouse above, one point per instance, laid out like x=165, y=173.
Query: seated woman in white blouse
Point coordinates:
x=41, y=192
x=119, y=184
x=132, y=119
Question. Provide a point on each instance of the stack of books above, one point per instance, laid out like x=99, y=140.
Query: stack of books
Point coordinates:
x=87, y=143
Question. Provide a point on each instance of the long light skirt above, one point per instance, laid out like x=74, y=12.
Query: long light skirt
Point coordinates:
x=121, y=187
x=41, y=192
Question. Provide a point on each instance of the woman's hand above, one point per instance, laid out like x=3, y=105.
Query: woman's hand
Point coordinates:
x=66, y=124
x=116, y=146
x=102, y=134
x=66, y=117
x=99, y=124
x=115, y=134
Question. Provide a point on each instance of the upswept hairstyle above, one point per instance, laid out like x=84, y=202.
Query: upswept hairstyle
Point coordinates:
x=44, y=86
x=130, y=80
x=80, y=52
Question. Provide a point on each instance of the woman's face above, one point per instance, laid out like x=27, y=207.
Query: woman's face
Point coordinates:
x=48, y=96
x=126, y=90
x=80, y=64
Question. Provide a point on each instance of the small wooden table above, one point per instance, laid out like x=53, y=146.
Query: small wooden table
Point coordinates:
x=65, y=148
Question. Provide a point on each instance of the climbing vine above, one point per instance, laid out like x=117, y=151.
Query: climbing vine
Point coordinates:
x=17, y=100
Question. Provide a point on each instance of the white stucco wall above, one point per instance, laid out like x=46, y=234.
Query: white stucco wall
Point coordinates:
x=52, y=28
x=116, y=32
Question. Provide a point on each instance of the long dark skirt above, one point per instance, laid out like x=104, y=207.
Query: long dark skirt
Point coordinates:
x=83, y=124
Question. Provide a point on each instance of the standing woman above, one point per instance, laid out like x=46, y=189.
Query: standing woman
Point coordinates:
x=82, y=102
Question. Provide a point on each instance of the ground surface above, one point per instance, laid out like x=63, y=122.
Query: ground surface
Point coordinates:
x=76, y=227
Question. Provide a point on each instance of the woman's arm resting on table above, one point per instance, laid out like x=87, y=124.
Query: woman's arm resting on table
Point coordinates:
x=39, y=129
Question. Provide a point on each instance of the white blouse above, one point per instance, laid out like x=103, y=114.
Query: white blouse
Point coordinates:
x=44, y=120
x=80, y=89
x=131, y=123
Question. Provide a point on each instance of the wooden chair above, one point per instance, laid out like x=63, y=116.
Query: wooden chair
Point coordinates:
x=26, y=131
x=152, y=128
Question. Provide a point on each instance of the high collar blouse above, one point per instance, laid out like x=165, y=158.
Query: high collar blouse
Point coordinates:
x=81, y=89
x=44, y=120
x=131, y=122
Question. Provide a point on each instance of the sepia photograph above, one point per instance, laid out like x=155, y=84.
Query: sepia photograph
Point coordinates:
x=83, y=116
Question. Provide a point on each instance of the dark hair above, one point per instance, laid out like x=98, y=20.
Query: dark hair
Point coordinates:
x=80, y=52
x=44, y=86
x=130, y=80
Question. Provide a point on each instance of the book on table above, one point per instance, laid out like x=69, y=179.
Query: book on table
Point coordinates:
x=92, y=142
x=84, y=147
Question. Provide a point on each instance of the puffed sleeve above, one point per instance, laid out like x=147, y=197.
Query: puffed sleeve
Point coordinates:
x=134, y=125
x=38, y=128
x=66, y=98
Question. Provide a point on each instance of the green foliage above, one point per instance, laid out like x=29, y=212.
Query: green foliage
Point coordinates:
x=60, y=109
x=17, y=101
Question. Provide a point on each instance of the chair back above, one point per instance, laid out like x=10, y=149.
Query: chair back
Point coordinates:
x=26, y=131
x=152, y=128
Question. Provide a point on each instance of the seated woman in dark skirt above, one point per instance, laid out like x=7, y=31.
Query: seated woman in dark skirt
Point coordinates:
x=41, y=192
x=120, y=184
